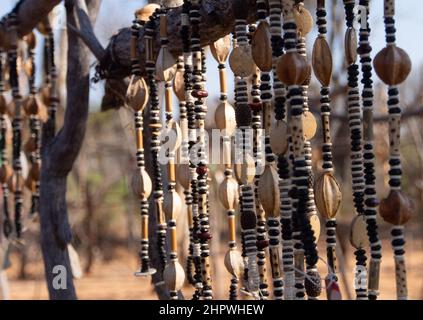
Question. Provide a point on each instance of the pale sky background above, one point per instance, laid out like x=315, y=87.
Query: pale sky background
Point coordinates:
x=116, y=14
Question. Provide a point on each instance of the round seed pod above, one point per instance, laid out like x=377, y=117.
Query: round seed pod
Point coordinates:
x=174, y=275
x=146, y=12
x=137, y=94
x=30, y=146
x=396, y=209
x=245, y=171
x=15, y=183
x=248, y=220
x=268, y=190
x=228, y=193
x=309, y=125
x=315, y=225
x=243, y=116
x=141, y=184
x=31, y=106
x=30, y=40
x=392, y=65
x=234, y=262
x=225, y=118
x=241, y=61
x=322, y=61
x=35, y=171
x=172, y=205
x=304, y=20
x=171, y=136
x=261, y=47
x=3, y=104
x=358, y=232
x=6, y=172
x=183, y=175
x=292, y=69
x=279, y=137
x=312, y=284
x=350, y=46
x=179, y=85
x=165, y=66
x=45, y=94
x=221, y=49
x=43, y=27
x=327, y=195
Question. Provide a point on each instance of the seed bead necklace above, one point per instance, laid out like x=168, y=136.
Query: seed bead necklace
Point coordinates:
x=327, y=190
x=392, y=64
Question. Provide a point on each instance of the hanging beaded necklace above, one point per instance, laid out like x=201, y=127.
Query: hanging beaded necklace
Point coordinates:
x=5, y=171
x=327, y=190
x=16, y=181
x=155, y=129
x=137, y=99
x=392, y=65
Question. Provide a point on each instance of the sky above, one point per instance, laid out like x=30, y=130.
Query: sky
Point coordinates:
x=116, y=14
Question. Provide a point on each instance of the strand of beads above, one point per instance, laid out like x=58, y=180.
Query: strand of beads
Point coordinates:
x=228, y=190
x=202, y=170
x=254, y=34
x=174, y=275
x=155, y=127
x=33, y=109
x=262, y=55
x=243, y=66
x=327, y=190
x=16, y=181
x=357, y=165
x=137, y=98
x=5, y=171
x=358, y=237
x=293, y=70
x=392, y=65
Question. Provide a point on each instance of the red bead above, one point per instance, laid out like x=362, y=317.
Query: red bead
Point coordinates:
x=200, y=94
x=205, y=236
x=262, y=244
x=202, y=170
x=256, y=107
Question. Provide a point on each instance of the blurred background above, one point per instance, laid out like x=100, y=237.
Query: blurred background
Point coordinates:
x=104, y=213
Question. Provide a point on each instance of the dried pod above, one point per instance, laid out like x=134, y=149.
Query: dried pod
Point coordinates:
x=241, y=62
x=172, y=205
x=268, y=190
x=304, y=20
x=261, y=47
x=392, y=65
x=248, y=220
x=43, y=27
x=35, y=171
x=146, y=12
x=15, y=183
x=172, y=3
x=166, y=66
x=228, y=193
x=183, y=175
x=28, y=67
x=171, y=136
x=358, y=232
x=31, y=184
x=31, y=40
x=30, y=146
x=279, y=137
x=225, y=118
x=141, y=184
x=221, y=49
x=322, y=61
x=6, y=172
x=174, y=275
x=179, y=85
x=309, y=125
x=350, y=46
x=327, y=195
x=31, y=106
x=137, y=94
x=245, y=170
x=234, y=262
x=396, y=208
x=292, y=69
x=3, y=104
x=45, y=94
x=315, y=225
